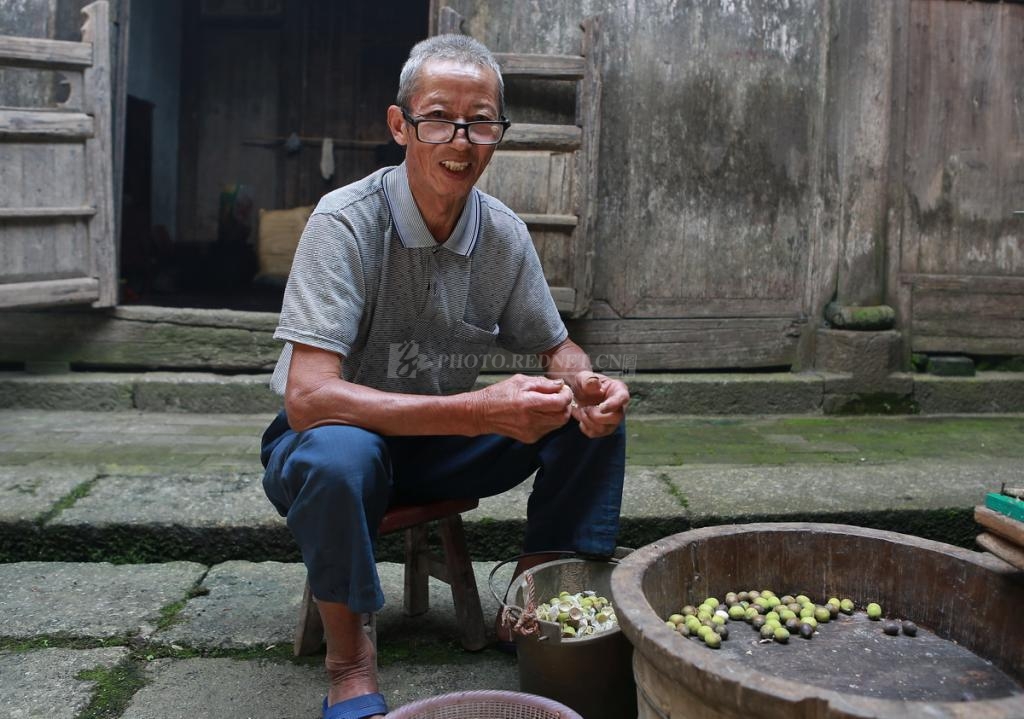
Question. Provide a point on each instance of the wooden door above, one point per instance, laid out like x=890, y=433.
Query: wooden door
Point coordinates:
x=547, y=172
x=57, y=242
x=959, y=254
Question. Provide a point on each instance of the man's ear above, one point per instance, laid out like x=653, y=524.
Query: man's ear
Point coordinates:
x=396, y=123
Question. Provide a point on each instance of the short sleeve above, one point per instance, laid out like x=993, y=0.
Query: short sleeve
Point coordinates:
x=326, y=293
x=530, y=322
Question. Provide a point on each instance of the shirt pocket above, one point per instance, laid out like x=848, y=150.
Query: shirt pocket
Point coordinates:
x=465, y=333
x=470, y=347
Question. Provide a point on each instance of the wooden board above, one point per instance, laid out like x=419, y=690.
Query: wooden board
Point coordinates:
x=1007, y=551
x=960, y=177
x=1000, y=524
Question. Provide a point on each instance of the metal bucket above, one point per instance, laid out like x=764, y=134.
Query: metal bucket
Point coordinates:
x=592, y=675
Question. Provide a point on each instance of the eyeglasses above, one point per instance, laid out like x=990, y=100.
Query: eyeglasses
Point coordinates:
x=439, y=132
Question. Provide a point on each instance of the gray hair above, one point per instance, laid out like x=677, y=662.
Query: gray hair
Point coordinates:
x=458, y=48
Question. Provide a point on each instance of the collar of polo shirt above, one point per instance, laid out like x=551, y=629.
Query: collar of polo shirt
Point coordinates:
x=412, y=230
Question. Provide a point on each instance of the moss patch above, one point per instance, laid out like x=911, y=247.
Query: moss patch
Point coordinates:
x=826, y=440
x=114, y=689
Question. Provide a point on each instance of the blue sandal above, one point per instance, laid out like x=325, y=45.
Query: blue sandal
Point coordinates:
x=367, y=705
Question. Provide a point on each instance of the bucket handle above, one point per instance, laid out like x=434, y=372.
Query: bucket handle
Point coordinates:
x=566, y=554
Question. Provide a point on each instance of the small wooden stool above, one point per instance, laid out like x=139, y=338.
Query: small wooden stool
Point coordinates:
x=454, y=568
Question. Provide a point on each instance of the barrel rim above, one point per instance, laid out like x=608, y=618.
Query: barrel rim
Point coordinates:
x=654, y=642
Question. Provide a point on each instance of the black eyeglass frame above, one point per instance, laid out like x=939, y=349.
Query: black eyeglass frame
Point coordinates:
x=456, y=126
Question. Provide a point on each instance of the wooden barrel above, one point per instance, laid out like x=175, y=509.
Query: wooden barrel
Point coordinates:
x=964, y=600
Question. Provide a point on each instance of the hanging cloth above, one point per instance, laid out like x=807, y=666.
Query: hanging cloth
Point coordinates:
x=327, y=159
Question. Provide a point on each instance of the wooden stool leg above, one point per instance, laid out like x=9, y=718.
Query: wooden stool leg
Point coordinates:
x=417, y=571
x=309, y=635
x=463, y=583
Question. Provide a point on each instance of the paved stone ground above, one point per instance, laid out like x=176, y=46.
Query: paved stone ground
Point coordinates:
x=171, y=601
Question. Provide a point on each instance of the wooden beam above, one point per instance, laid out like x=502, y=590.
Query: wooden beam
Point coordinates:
x=558, y=138
x=50, y=54
x=45, y=124
x=549, y=222
x=79, y=290
x=29, y=213
x=544, y=67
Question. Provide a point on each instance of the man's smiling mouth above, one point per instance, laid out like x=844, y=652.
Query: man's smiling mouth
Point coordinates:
x=455, y=166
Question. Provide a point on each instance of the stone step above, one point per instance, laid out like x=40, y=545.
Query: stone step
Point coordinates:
x=668, y=393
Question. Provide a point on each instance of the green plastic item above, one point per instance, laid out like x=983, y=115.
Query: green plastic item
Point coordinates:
x=1010, y=506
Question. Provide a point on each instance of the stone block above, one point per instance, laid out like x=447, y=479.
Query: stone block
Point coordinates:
x=94, y=600
x=951, y=366
x=45, y=683
x=985, y=393
x=869, y=357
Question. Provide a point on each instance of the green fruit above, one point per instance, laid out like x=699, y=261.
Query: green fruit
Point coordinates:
x=737, y=612
x=688, y=610
x=718, y=619
x=773, y=616
x=758, y=622
x=713, y=640
x=773, y=602
x=761, y=602
x=670, y=624
x=833, y=600
x=693, y=624
x=712, y=602
x=806, y=630
x=802, y=599
x=751, y=613
x=767, y=632
x=677, y=619
x=731, y=598
x=807, y=611
x=787, y=614
x=809, y=620
x=683, y=630
x=846, y=606
x=874, y=611
x=782, y=635
x=723, y=632
x=704, y=631
x=787, y=599
x=822, y=614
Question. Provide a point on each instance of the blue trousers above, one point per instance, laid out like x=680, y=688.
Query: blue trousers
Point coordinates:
x=334, y=484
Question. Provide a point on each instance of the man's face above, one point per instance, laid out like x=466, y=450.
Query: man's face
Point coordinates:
x=447, y=90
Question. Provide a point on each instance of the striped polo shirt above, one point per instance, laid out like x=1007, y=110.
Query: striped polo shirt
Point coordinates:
x=370, y=283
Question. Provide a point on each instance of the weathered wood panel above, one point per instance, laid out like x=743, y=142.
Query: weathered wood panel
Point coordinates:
x=963, y=177
x=44, y=248
x=56, y=233
x=44, y=125
x=43, y=174
x=705, y=194
x=26, y=52
x=49, y=292
x=975, y=315
x=687, y=344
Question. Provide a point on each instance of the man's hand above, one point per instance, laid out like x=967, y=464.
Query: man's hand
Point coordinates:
x=600, y=403
x=524, y=408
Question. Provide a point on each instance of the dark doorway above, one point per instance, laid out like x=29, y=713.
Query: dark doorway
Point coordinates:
x=279, y=103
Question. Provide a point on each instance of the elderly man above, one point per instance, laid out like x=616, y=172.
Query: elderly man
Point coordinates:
x=402, y=282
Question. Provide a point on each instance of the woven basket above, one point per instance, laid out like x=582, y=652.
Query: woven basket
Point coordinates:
x=487, y=704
